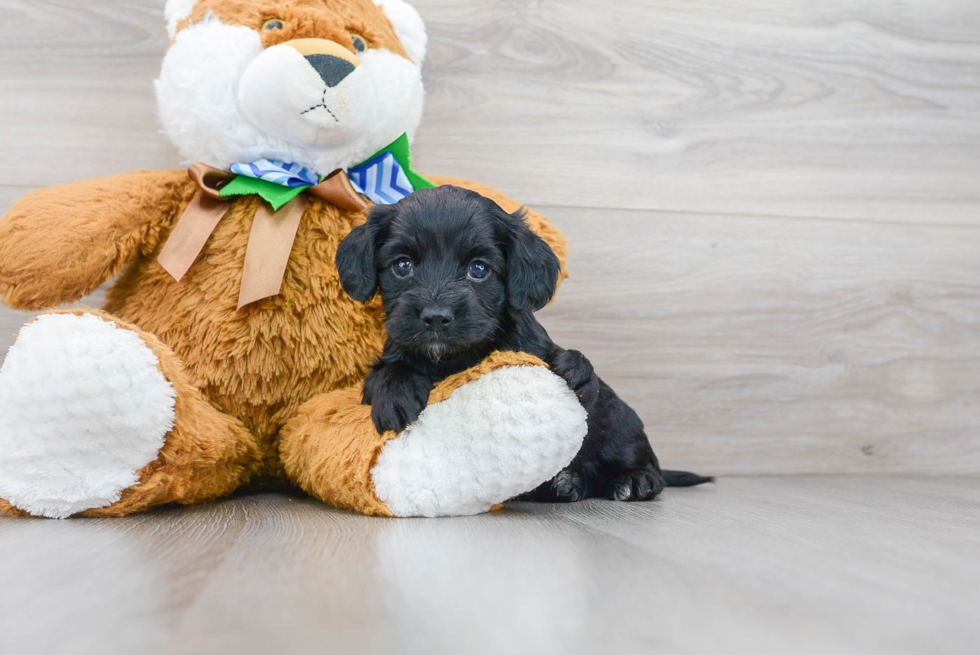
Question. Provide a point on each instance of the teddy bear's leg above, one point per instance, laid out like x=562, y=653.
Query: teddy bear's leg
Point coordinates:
x=487, y=435
x=99, y=418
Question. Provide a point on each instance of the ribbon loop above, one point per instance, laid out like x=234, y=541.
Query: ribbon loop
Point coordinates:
x=382, y=179
x=210, y=180
x=338, y=191
x=270, y=240
x=277, y=172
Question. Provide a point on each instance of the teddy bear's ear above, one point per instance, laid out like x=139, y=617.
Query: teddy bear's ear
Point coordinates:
x=176, y=11
x=408, y=26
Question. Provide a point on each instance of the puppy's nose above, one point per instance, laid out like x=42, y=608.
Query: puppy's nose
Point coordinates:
x=437, y=318
x=332, y=61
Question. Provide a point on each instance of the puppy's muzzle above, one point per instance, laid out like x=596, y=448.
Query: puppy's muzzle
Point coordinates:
x=332, y=61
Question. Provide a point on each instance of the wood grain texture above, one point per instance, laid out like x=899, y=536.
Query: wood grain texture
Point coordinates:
x=749, y=348
x=77, y=89
x=774, y=565
x=844, y=109
x=751, y=333
x=859, y=110
x=766, y=345
x=712, y=142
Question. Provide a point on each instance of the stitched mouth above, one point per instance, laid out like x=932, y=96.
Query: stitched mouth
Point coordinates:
x=322, y=105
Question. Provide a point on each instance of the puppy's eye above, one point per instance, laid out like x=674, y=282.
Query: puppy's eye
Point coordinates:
x=402, y=267
x=360, y=43
x=479, y=270
x=272, y=24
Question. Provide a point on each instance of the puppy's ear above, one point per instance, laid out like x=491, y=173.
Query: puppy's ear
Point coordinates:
x=356, y=254
x=532, y=267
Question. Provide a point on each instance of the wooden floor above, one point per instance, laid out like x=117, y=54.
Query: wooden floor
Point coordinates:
x=774, y=208
x=774, y=211
x=753, y=565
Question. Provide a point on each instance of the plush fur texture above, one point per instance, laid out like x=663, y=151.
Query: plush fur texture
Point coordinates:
x=459, y=278
x=239, y=376
x=408, y=26
x=254, y=98
x=329, y=448
x=455, y=461
x=6, y=509
x=206, y=454
x=175, y=11
x=59, y=245
x=404, y=18
x=492, y=439
x=83, y=407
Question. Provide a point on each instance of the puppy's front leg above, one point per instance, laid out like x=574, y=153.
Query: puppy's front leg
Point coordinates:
x=397, y=395
x=576, y=370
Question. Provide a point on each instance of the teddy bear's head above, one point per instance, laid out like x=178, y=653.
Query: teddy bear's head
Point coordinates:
x=320, y=83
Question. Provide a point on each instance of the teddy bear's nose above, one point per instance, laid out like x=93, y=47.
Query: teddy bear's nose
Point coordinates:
x=332, y=69
x=332, y=61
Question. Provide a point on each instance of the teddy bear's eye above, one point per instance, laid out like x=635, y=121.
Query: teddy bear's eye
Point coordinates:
x=272, y=24
x=360, y=43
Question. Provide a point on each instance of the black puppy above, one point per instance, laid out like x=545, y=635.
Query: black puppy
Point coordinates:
x=459, y=279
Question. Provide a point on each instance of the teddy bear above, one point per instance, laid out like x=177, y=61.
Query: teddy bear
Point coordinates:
x=227, y=355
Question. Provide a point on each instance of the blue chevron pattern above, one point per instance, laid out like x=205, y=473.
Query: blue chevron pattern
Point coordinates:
x=277, y=172
x=381, y=179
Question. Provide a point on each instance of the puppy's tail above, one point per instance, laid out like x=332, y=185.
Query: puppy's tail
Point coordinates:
x=684, y=479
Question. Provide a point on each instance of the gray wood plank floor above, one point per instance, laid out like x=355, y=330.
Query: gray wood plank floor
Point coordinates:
x=775, y=221
x=764, y=565
x=773, y=208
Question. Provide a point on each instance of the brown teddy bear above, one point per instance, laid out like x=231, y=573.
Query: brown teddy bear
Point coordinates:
x=227, y=352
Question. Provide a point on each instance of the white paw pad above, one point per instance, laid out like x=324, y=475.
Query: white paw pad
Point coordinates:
x=494, y=438
x=83, y=407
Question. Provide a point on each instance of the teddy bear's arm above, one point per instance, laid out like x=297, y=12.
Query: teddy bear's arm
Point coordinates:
x=541, y=226
x=59, y=244
x=452, y=461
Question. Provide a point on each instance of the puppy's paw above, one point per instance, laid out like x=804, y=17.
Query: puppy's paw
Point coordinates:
x=394, y=413
x=573, y=367
x=398, y=402
x=397, y=395
x=566, y=487
x=638, y=484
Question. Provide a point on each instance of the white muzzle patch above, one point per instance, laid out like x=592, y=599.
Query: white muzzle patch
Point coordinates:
x=284, y=94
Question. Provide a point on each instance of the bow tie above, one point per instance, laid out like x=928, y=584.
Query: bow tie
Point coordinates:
x=385, y=178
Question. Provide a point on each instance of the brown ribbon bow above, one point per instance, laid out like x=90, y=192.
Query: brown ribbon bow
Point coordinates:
x=270, y=240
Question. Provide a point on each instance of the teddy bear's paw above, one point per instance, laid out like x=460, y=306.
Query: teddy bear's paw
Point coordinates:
x=83, y=407
x=492, y=439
